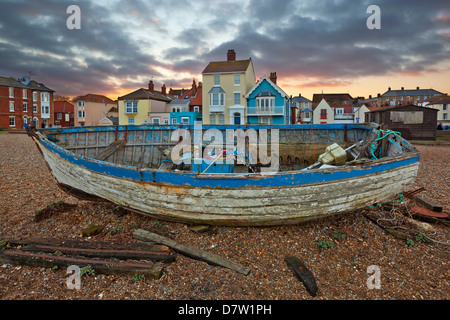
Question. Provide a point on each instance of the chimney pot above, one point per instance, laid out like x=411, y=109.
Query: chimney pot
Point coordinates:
x=151, y=87
x=231, y=55
x=273, y=77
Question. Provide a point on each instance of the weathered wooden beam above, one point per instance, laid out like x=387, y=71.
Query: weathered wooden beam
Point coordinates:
x=428, y=203
x=104, y=253
x=149, y=270
x=303, y=274
x=190, y=251
x=109, y=150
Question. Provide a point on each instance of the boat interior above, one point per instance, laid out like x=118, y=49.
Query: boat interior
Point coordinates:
x=295, y=147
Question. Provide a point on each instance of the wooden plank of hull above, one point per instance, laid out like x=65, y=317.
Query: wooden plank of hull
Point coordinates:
x=249, y=206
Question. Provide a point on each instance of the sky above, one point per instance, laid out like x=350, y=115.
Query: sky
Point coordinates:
x=313, y=46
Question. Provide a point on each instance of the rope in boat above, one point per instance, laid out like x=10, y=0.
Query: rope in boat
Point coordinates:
x=386, y=133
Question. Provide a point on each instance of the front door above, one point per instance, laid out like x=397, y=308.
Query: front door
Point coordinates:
x=237, y=118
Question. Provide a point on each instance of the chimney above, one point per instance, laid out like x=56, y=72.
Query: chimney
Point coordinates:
x=273, y=77
x=151, y=87
x=418, y=88
x=378, y=95
x=370, y=96
x=403, y=88
x=231, y=55
x=389, y=89
x=299, y=94
x=163, y=89
x=194, y=87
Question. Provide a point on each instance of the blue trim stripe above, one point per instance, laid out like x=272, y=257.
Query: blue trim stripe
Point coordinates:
x=293, y=178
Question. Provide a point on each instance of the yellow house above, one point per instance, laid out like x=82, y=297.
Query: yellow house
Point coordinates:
x=135, y=107
x=225, y=84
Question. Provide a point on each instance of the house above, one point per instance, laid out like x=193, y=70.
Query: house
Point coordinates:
x=90, y=109
x=403, y=97
x=332, y=99
x=359, y=115
x=63, y=114
x=188, y=109
x=442, y=104
x=323, y=113
x=111, y=118
x=25, y=101
x=267, y=103
x=413, y=122
x=304, y=107
x=225, y=84
x=144, y=106
x=343, y=113
x=371, y=102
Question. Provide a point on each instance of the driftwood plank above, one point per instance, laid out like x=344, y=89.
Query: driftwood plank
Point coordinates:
x=149, y=270
x=190, y=251
x=303, y=274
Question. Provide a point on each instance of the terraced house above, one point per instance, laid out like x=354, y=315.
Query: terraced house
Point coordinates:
x=144, y=106
x=225, y=84
x=267, y=103
x=25, y=101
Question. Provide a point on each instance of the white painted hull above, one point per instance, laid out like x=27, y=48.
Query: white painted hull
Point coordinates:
x=251, y=206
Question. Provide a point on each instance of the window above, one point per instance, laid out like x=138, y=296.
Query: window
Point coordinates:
x=174, y=120
x=221, y=118
x=339, y=111
x=81, y=113
x=444, y=116
x=323, y=114
x=44, y=96
x=265, y=104
x=264, y=120
x=25, y=107
x=217, y=99
x=307, y=114
x=11, y=92
x=166, y=121
x=131, y=121
x=35, y=108
x=131, y=107
x=25, y=120
x=196, y=109
x=11, y=106
x=59, y=116
x=12, y=121
x=24, y=93
x=444, y=107
x=212, y=118
x=155, y=120
x=184, y=120
x=80, y=103
x=176, y=109
x=237, y=79
x=45, y=110
x=237, y=98
x=216, y=80
x=34, y=96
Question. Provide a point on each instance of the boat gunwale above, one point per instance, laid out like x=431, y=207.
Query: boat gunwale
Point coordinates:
x=46, y=143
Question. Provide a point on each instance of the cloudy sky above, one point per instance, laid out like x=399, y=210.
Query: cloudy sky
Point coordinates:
x=314, y=46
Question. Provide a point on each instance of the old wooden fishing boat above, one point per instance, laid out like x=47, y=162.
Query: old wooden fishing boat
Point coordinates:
x=131, y=167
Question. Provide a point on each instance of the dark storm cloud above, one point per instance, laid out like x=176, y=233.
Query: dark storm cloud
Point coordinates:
x=315, y=42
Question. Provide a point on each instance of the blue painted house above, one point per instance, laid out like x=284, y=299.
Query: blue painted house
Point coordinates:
x=267, y=103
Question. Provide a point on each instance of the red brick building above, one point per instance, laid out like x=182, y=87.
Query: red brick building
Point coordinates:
x=25, y=101
x=63, y=114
